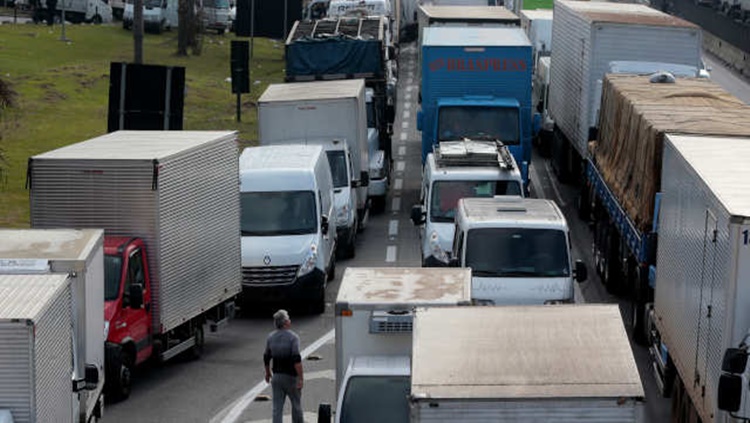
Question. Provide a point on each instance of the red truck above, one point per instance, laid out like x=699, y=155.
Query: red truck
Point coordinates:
x=169, y=205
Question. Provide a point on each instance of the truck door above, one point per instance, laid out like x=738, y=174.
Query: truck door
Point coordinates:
x=705, y=321
x=138, y=319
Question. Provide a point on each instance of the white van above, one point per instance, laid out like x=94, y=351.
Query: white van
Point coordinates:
x=77, y=11
x=459, y=169
x=158, y=15
x=288, y=241
x=518, y=250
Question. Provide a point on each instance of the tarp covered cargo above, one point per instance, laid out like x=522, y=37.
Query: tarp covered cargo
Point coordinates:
x=635, y=115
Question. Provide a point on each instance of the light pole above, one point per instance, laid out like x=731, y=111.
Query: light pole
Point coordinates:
x=62, y=19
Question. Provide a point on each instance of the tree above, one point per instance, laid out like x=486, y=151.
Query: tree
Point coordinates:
x=138, y=31
x=7, y=100
x=189, y=28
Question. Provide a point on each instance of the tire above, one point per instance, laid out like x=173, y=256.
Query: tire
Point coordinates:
x=96, y=20
x=120, y=372
x=378, y=204
x=319, y=304
x=196, y=351
x=160, y=27
x=331, y=275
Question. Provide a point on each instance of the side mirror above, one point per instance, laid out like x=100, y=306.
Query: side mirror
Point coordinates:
x=581, y=272
x=364, y=179
x=92, y=377
x=731, y=381
x=324, y=224
x=420, y=117
x=418, y=215
x=136, y=296
x=735, y=361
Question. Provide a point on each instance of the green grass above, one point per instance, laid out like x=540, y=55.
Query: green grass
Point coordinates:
x=537, y=4
x=63, y=89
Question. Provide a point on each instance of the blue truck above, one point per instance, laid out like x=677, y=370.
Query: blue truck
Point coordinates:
x=476, y=84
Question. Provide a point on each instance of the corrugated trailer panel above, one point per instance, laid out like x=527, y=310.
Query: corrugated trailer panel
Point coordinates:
x=699, y=269
x=16, y=384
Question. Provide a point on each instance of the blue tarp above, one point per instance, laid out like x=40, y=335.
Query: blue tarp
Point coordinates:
x=334, y=55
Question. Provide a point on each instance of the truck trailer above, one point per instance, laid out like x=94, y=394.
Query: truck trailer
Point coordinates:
x=566, y=364
x=476, y=84
x=169, y=206
x=586, y=37
x=80, y=256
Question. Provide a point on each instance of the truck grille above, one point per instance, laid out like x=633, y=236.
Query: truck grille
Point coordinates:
x=271, y=275
x=386, y=322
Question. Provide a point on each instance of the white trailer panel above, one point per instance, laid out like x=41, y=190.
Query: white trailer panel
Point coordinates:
x=587, y=36
x=381, y=303
x=567, y=363
x=703, y=257
x=35, y=349
x=538, y=26
x=177, y=190
x=80, y=255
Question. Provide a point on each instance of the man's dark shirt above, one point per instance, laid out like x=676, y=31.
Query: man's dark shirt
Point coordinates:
x=282, y=346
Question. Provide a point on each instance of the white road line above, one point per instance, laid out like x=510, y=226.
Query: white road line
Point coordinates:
x=403, y=136
x=321, y=374
x=233, y=412
x=393, y=228
x=390, y=254
x=407, y=105
x=402, y=150
x=407, y=114
x=536, y=186
x=410, y=80
x=398, y=184
x=396, y=204
x=409, y=88
x=553, y=182
x=405, y=124
x=308, y=416
x=400, y=166
x=407, y=96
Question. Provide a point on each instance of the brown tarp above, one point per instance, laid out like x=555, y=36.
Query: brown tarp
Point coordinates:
x=634, y=116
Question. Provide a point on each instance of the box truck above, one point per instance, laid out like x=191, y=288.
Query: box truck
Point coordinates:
x=80, y=256
x=168, y=202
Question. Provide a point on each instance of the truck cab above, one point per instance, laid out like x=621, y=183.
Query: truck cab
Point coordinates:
x=376, y=389
x=518, y=249
x=455, y=170
x=379, y=163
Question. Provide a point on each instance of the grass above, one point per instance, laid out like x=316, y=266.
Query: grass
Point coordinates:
x=62, y=90
x=537, y=4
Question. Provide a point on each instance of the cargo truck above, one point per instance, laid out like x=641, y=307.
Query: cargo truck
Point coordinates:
x=586, y=37
x=79, y=255
x=700, y=318
x=476, y=84
x=373, y=321
x=330, y=114
x=537, y=24
x=568, y=364
x=169, y=205
x=624, y=173
x=36, y=349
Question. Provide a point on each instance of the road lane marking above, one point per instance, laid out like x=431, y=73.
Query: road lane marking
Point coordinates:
x=407, y=114
x=400, y=166
x=393, y=228
x=405, y=124
x=402, y=150
x=403, y=136
x=407, y=97
x=407, y=105
x=390, y=254
x=553, y=182
x=235, y=410
x=398, y=184
x=409, y=88
x=396, y=204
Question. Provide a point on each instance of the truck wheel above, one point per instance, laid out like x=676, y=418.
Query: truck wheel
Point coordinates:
x=324, y=413
x=378, y=204
x=196, y=351
x=319, y=303
x=96, y=20
x=120, y=374
x=331, y=269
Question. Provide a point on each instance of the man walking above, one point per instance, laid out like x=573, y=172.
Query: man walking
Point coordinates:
x=282, y=347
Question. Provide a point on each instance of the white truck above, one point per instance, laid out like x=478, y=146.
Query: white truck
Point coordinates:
x=528, y=364
x=701, y=297
x=79, y=255
x=518, y=250
x=537, y=24
x=158, y=15
x=331, y=114
x=586, y=37
x=77, y=11
x=455, y=170
x=36, y=349
x=373, y=322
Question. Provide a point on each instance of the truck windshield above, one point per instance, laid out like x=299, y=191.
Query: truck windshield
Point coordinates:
x=479, y=123
x=152, y=3
x=376, y=399
x=337, y=162
x=278, y=213
x=216, y=4
x=445, y=195
x=112, y=273
x=517, y=252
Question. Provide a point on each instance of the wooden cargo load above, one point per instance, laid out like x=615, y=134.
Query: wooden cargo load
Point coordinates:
x=636, y=113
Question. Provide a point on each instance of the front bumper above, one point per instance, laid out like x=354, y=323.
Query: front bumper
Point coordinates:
x=377, y=187
x=301, y=289
x=343, y=236
x=431, y=261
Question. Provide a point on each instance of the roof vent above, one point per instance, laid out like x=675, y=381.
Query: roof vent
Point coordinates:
x=391, y=322
x=662, y=78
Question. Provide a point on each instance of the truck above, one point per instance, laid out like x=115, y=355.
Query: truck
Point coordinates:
x=537, y=24
x=700, y=316
x=158, y=15
x=570, y=363
x=369, y=8
x=78, y=255
x=330, y=114
x=168, y=202
x=586, y=37
x=373, y=321
x=36, y=349
x=624, y=173
x=455, y=170
x=76, y=11
x=476, y=84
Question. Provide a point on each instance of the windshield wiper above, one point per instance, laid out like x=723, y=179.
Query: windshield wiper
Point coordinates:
x=486, y=273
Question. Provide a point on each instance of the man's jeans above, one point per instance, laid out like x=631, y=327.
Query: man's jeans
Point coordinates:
x=283, y=386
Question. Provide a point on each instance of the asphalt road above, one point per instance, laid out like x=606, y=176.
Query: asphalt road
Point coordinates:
x=226, y=385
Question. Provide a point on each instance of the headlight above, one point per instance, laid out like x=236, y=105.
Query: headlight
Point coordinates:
x=435, y=248
x=342, y=216
x=106, y=329
x=310, y=260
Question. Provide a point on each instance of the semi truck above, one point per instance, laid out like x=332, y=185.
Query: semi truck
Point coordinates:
x=36, y=349
x=623, y=176
x=330, y=114
x=700, y=316
x=169, y=206
x=567, y=363
x=78, y=255
x=373, y=321
x=476, y=84
x=586, y=37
